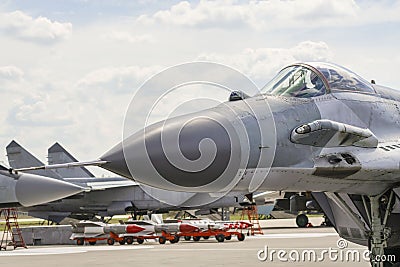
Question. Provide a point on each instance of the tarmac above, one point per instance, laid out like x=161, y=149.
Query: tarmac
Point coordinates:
x=292, y=246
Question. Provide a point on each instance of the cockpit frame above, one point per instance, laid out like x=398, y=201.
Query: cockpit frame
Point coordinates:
x=332, y=79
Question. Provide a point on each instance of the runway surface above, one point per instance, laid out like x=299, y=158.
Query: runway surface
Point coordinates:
x=301, y=247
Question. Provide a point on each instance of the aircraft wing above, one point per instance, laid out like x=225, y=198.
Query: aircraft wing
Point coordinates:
x=50, y=216
x=93, y=184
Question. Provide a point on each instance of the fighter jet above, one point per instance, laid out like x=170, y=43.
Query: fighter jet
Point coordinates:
x=108, y=196
x=314, y=127
x=25, y=190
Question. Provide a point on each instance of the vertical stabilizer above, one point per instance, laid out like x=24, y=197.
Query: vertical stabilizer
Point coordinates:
x=58, y=155
x=19, y=157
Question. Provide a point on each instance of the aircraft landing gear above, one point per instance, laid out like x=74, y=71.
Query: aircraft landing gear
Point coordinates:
x=379, y=232
x=302, y=220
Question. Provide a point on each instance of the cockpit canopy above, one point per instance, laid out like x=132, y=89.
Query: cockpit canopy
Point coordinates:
x=315, y=79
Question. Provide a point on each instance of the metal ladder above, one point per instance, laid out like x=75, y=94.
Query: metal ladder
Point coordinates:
x=11, y=228
x=252, y=216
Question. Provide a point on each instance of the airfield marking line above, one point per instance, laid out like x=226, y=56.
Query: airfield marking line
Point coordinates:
x=32, y=251
x=295, y=235
x=203, y=249
x=68, y=250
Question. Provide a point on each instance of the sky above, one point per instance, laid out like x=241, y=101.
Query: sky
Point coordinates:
x=69, y=69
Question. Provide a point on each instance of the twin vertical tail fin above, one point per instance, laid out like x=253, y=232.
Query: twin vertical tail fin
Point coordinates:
x=58, y=155
x=19, y=157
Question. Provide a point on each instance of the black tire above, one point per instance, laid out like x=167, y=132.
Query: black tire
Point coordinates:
x=80, y=241
x=241, y=237
x=122, y=242
x=206, y=237
x=92, y=243
x=301, y=220
x=220, y=238
x=140, y=240
x=196, y=238
x=327, y=222
x=187, y=238
x=110, y=241
x=176, y=238
x=228, y=237
x=129, y=240
x=162, y=240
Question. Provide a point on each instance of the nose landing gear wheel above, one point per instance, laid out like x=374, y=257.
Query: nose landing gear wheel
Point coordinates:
x=301, y=220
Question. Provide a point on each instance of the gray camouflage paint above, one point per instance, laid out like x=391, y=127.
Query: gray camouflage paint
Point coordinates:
x=337, y=163
x=29, y=189
x=121, y=196
x=376, y=112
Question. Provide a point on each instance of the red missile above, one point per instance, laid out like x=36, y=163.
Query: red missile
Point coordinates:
x=188, y=228
x=133, y=229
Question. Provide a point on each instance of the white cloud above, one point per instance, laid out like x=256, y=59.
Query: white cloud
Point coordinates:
x=117, y=79
x=204, y=13
x=41, y=110
x=11, y=73
x=12, y=79
x=130, y=37
x=39, y=29
x=274, y=14
x=261, y=64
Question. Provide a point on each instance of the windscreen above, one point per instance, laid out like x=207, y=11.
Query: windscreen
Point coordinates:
x=340, y=78
x=296, y=81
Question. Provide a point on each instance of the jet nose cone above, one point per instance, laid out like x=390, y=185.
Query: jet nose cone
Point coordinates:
x=116, y=161
x=197, y=151
x=33, y=190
